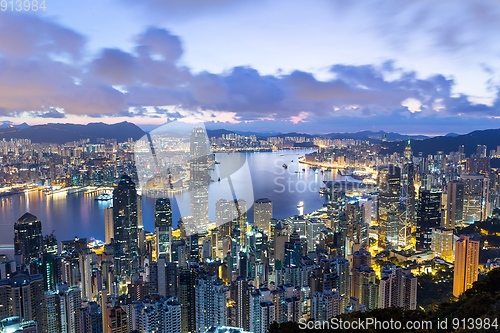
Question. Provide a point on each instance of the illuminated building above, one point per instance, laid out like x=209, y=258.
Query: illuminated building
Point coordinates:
x=428, y=217
x=262, y=214
x=199, y=179
x=466, y=264
x=393, y=232
x=28, y=238
x=126, y=238
x=398, y=288
x=163, y=227
x=455, y=205
x=475, y=197
x=442, y=243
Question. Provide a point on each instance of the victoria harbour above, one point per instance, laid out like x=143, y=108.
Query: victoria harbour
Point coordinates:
x=80, y=215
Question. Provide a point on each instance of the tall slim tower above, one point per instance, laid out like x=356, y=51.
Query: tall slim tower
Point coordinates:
x=125, y=224
x=199, y=178
x=262, y=214
x=466, y=264
x=455, y=205
x=428, y=217
x=391, y=226
x=163, y=227
x=28, y=238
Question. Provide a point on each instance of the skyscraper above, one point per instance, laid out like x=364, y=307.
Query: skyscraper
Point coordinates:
x=466, y=264
x=211, y=302
x=199, y=179
x=475, y=197
x=428, y=217
x=126, y=238
x=28, y=238
x=262, y=214
x=187, y=299
x=455, y=205
x=392, y=232
x=163, y=227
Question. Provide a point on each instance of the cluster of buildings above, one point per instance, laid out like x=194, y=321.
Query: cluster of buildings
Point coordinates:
x=233, y=273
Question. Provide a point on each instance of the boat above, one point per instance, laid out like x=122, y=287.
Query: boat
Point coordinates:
x=284, y=166
x=104, y=197
x=216, y=162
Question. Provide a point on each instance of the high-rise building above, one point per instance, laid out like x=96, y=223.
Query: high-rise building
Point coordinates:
x=210, y=300
x=117, y=320
x=475, y=197
x=163, y=227
x=262, y=214
x=126, y=238
x=28, y=238
x=455, y=205
x=187, y=298
x=398, y=288
x=199, y=179
x=159, y=315
x=428, y=217
x=239, y=310
x=466, y=263
x=62, y=309
x=91, y=318
x=109, y=229
x=442, y=243
x=392, y=232
x=22, y=296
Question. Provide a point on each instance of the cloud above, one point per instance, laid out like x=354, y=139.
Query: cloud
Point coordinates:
x=151, y=75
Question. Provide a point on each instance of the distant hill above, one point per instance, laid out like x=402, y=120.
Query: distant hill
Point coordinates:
x=447, y=144
x=61, y=133
x=7, y=124
x=363, y=135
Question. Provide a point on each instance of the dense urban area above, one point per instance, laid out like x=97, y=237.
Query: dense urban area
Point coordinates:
x=398, y=230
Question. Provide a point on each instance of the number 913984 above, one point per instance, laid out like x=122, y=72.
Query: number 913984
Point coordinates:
x=22, y=5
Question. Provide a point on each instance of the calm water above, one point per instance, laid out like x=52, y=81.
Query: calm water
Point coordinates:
x=81, y=215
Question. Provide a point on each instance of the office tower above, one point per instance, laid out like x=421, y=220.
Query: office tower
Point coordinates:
x=408, y=154
x=408, y=193
x=428, y=217
x=340, y=266
x=279, y=239
x=28, y=238
x=49, y=271
x=87, y=260
x=442, y=243
x=187, y=298
x=91, y=318
x=117, y=320
x=7, y=268
x=210, y=300
x=466, y=263
x=393, y=232
x=398, y=288
x=455, y=205
x=62, y=309
x=109, y=229
x=199, y=179
x=159, y=315
x=354, y=227
x=126, y=238
x=262, y=214
x=163, y=227
x=475, y=197
x=22, y=296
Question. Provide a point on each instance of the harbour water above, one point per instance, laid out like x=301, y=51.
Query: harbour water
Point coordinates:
x=81, y=215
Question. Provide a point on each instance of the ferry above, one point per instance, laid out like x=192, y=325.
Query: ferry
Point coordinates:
x=284, y=166
x=104, y=197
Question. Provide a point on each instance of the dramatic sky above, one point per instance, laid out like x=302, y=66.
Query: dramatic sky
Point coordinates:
x=416, y=67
